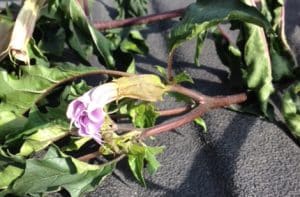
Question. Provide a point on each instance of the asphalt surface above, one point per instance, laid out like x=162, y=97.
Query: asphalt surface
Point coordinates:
x=241, y=155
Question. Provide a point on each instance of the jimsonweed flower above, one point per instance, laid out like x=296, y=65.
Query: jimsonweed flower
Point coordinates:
x=87, y=114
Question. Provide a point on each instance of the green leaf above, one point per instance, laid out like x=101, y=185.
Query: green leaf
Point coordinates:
x=78, y=41
x=72, y=13
x=162, y=71
x=36, y=54
x=199, y=46
x=76, y=143
x=231, y=57
x=199, y=121
x=8, y=175
x=180, y=98
x=183, y=77
x=143, y=115
x=43, y=137
x=6, y=26
x=131, y=8
x=11, y=167
x=19, y=94
x=134, y=43
x=73, y=91
x=291, y=108
x=136, y=156
x=258, y=72
x=150, y=157
x=7, y=159
x=204, y=14
x=53, y=40
x=283, y=59
x=132, y=67
x=10, y=122
x=57, y=170
x=136, y=164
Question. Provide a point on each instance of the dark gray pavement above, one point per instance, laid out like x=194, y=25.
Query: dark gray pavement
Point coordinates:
x=241, y=155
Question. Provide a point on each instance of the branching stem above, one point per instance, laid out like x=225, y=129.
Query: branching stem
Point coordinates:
x=138, y=20
x=206, y=104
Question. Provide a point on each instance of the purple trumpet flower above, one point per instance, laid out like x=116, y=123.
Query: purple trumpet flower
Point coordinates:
x=86, y=112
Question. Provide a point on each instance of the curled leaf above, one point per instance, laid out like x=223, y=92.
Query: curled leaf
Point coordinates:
x=204, y=14
x=258, y=71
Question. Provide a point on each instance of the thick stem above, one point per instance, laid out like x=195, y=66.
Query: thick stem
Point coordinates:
x=208, y=103
x=139, y=20
x=174, y=112
x=196, y=96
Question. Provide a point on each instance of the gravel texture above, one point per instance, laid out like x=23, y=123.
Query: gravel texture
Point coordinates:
x=241, y=155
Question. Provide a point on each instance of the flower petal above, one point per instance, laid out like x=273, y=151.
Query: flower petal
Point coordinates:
x=76, y=105
x=97, y=138
x=104, y=94
x=95, y=113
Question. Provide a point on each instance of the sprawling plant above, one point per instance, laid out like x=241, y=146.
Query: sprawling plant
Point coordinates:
x=52, y=123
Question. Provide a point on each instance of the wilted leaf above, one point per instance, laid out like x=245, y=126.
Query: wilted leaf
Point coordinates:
x=204, y=14
x=283, y=59
x=258, y=71
x=23, y=29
